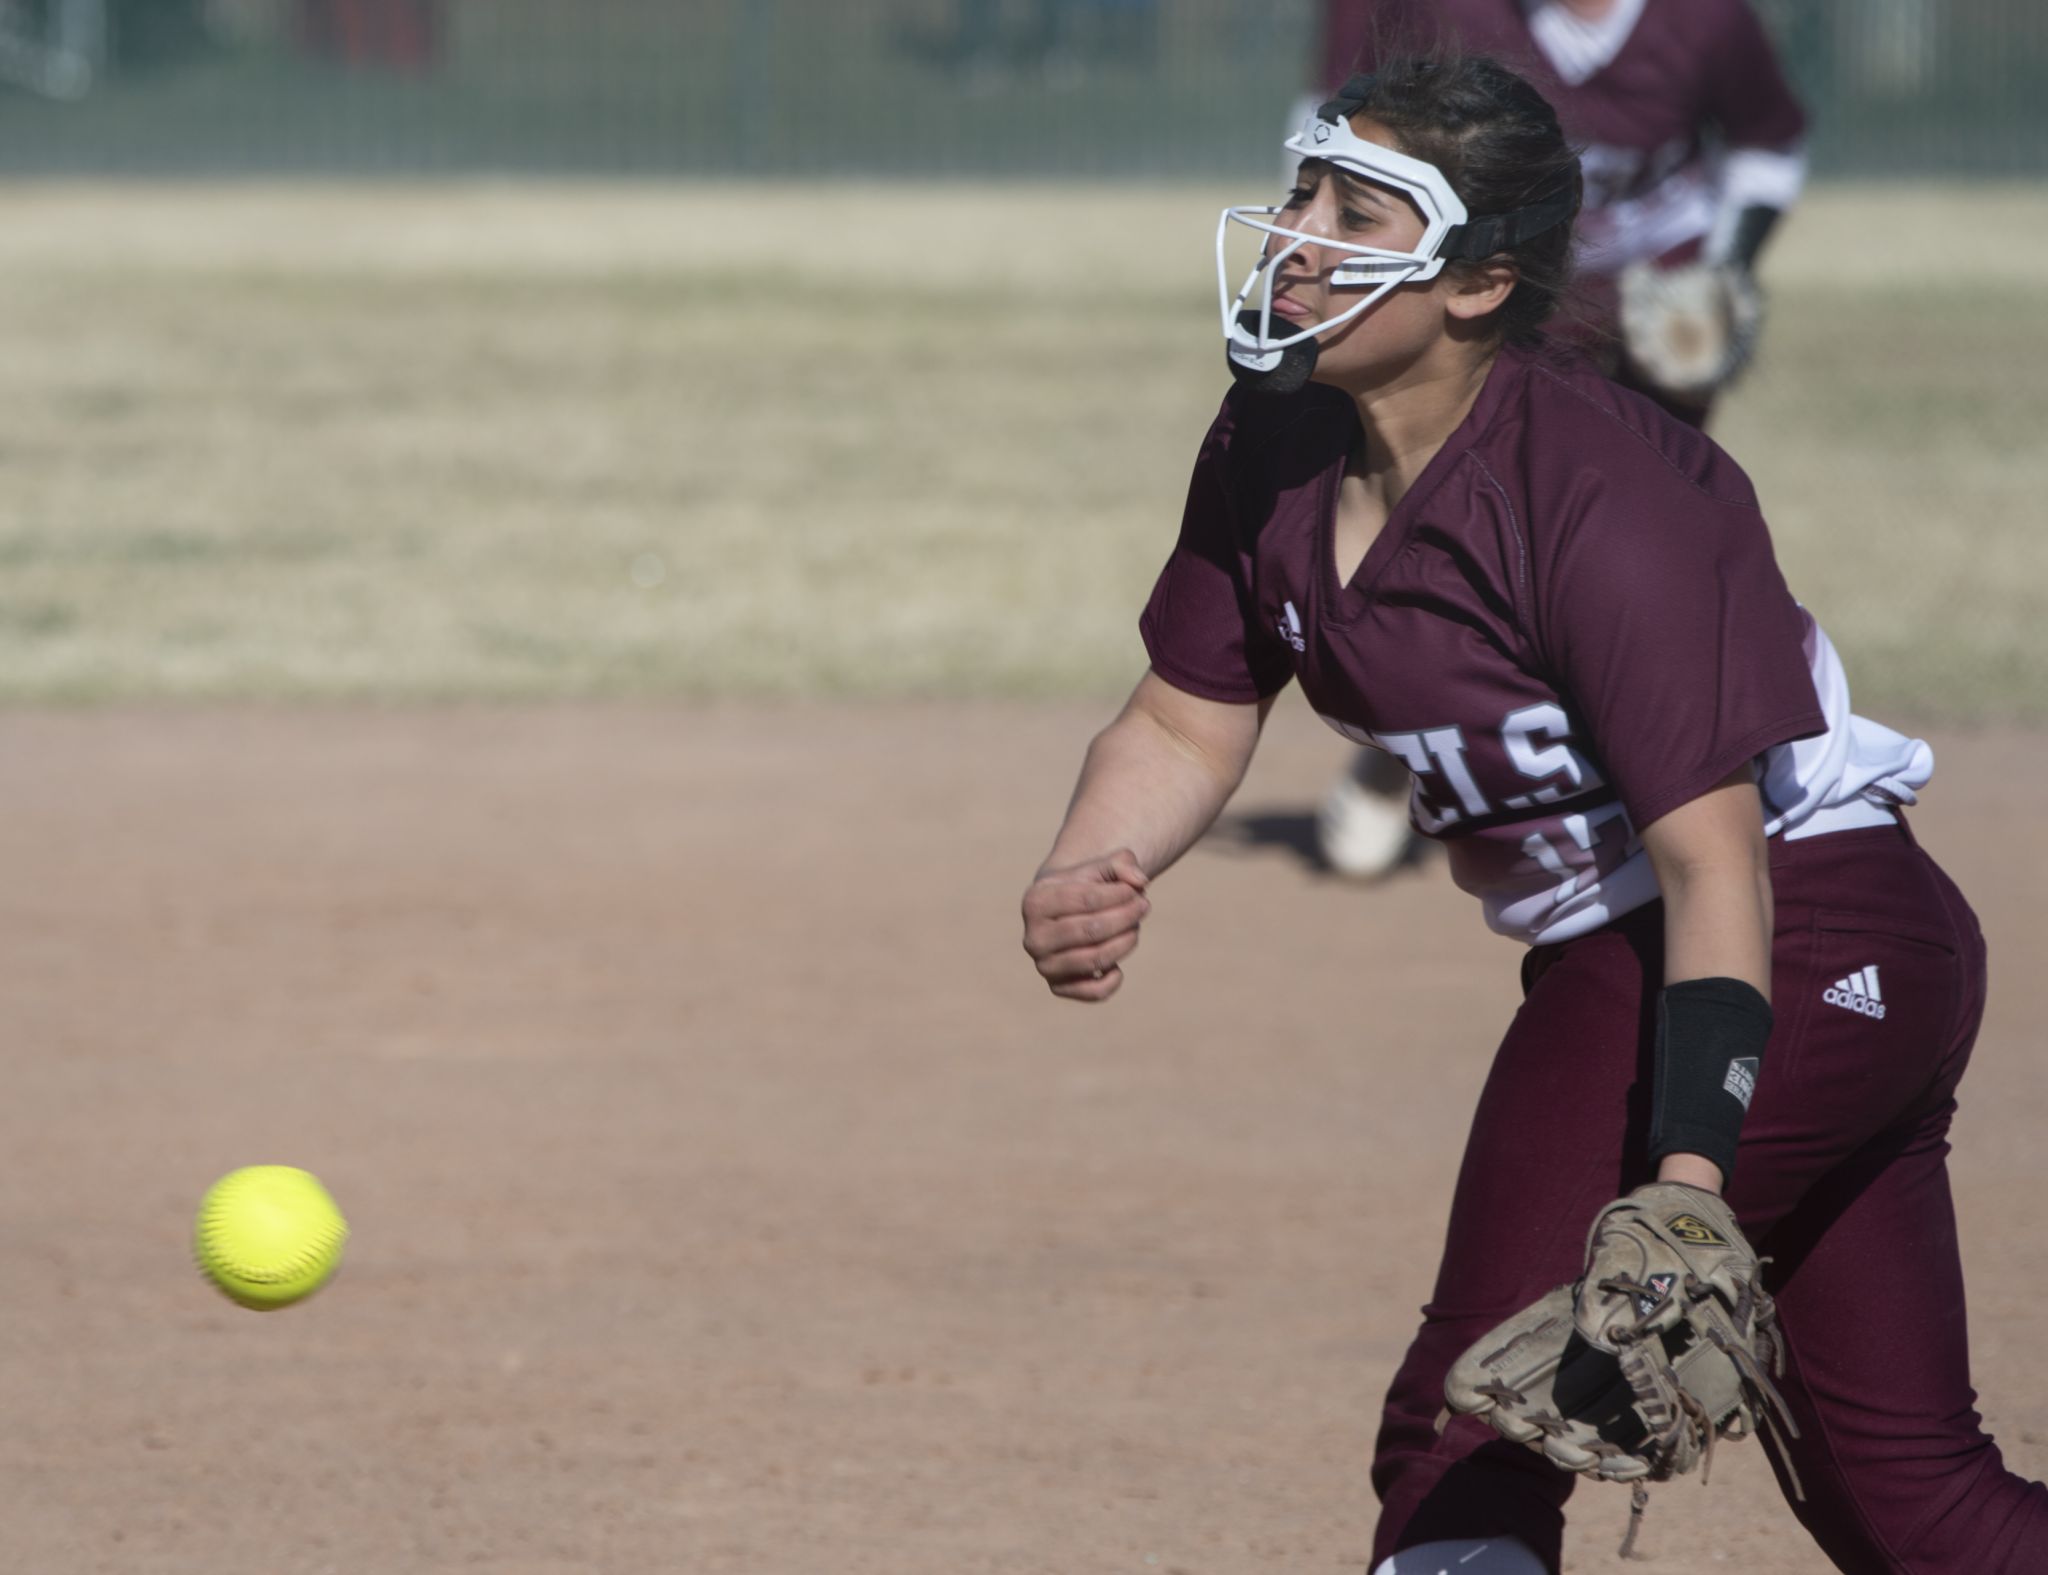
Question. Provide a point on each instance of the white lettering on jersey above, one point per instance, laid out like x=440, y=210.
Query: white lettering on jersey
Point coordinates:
x=1436, y=751
x=1518, y=735
x=1535, y=739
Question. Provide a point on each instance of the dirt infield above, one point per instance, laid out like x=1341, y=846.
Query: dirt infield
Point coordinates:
x=727, y=1195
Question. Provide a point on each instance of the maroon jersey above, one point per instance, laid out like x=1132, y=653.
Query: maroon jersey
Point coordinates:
x=1572, y=624
x=1657, y=94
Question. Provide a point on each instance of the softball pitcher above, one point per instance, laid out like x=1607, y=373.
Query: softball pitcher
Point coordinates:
x=1750, y=994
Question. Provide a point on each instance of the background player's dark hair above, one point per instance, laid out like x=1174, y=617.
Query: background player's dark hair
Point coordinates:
x=1499, y=144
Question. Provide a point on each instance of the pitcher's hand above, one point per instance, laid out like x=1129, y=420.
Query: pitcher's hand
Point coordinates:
x=1081, y=921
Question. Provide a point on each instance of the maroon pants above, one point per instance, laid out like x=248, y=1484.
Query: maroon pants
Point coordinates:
x=1842, y=1179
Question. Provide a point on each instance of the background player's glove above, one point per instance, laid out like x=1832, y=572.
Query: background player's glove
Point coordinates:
x=1690, y=330
x=1666, y=1343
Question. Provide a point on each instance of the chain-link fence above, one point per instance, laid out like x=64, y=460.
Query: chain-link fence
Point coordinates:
x=1048, y=87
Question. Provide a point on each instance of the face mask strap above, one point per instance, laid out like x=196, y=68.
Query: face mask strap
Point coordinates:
x=1353, y=96
x=1502, y=232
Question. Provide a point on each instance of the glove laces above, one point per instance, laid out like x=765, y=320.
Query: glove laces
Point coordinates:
x=1753, y=1314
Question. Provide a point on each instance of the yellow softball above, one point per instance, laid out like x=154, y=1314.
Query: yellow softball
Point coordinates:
x=268, y=1236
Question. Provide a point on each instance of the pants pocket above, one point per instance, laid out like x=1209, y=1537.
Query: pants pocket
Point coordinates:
x=1875, y=1003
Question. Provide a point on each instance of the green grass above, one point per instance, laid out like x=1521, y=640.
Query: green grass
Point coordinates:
x=473, y=441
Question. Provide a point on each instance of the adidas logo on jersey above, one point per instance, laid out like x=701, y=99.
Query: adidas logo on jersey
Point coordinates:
x=1857, y=993
x=1289, y=628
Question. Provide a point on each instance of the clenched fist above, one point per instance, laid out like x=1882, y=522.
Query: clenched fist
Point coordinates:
x=1080, y=922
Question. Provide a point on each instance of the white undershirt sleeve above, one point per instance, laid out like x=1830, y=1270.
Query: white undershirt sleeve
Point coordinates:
x=1754, y=178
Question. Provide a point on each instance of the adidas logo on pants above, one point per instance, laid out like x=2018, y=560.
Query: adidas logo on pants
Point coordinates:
x=1858, y=993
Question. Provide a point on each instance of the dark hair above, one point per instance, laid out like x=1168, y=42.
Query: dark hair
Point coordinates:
x=1499, y=144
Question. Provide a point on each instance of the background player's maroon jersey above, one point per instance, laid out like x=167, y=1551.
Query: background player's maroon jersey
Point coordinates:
x=1680, y=105
x=1572, y=624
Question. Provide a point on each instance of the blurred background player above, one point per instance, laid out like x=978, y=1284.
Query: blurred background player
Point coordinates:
x=391, y=35
x=1692, y=146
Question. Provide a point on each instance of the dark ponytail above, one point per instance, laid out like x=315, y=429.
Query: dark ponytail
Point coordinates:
x=1499, y=144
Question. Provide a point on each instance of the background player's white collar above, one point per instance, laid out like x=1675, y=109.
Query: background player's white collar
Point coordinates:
x=1575, y=47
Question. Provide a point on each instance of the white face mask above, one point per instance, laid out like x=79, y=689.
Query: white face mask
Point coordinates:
x=1248, y=312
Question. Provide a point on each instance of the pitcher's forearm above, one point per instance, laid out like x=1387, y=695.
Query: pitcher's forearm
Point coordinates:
x=1138, y=791
x=1156, y=778
x=1718, y=924
x=1714, y=1016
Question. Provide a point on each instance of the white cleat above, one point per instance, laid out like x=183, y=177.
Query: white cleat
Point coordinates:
x=1360, y=833
x=1481, y=1556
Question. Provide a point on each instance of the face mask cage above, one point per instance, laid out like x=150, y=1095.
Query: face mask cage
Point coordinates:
x=1248, y=310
